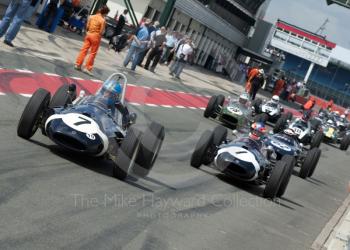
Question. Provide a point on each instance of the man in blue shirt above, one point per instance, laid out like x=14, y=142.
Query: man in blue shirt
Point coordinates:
x=138, y=45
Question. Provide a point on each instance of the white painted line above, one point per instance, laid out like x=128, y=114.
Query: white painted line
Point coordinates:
x=24, y=71
x=202, y=108
x=146, y=87
x=134, y=104
x=158, y=89
x=181, y=92
x=1, y=93
x=170, y=90
x=166, y=106
x=180, y=107
x=51, y=74
x=96, y=80
x=192, y=107
x=151, y=105
x=76, y=78
x=207, y=96
x=130, y=84
x=26, y=95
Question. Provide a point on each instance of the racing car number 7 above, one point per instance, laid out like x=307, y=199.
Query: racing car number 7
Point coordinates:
x=84, y=121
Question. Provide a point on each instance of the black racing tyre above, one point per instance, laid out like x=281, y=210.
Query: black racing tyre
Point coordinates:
x=62, y=97
x=220, y=100
x=344, y=143
x=274, y=182
x=316, y=159
x=126, y=154
x=150, y=145
x=315, y=124
x=309, y=163
x=201, y=150
x=220, y=135
x=261, y=118
x=211, y=107
x=32, y=113
x=290, y=163
x=280, y=125
x=316, y=139
x=256, y=104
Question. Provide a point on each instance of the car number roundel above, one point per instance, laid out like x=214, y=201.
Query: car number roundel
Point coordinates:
x=81, y=123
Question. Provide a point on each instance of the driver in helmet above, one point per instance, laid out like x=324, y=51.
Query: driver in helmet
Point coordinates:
x=290, y=132
x=257, y=131
x=330, y=122
x=111, y=92
x=275, y=99
x=243, y=99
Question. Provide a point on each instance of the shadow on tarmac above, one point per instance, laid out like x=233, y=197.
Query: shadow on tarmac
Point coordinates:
x=98, y=165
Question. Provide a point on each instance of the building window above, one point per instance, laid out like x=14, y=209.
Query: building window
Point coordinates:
x=177, y=26
x=156, y=16
x=149, y=12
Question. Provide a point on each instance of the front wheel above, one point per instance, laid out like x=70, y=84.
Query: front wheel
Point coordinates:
x=280, y=125
x=125, y=155
x=150, y=145
x=308, y=166
x=274, y=182
x=64, y=95
x=316, y=139
x=211, y=107
x=32, y=113
x=345, y=142
x=290, y=162
x=200, y=154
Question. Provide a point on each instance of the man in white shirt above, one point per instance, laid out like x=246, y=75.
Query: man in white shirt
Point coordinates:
x=182, y=54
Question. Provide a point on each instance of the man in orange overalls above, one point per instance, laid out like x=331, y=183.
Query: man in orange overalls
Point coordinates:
x=95, y=28
x=279, y=86
x=253, y=72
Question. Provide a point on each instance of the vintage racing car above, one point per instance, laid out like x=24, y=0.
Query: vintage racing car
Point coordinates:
x=235, y=114
x=286, y=143
x=96, y=125
x=308, y=130
x=272, y=110
x=244, y=158
x=336, y=130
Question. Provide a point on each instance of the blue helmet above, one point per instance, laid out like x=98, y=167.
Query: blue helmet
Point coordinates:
x=113, y=86
x=118, y=88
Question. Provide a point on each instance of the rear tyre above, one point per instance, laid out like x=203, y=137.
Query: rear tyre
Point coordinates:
x=316, y=160
x=211, y=107
x=220, y=135
x=150, y=145
x=280, y=125
x=63, y=96
x=32, y=114
x=316, y=140
x=274, y=182
x=126, y=154
x=290, y=163
x=200, y=154
x=309, y=164
x=345, y=142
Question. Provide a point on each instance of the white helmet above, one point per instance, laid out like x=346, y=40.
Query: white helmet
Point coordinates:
x=261, y=71
x=275, y=98
x=330, y=122
x=243, y=98
x=336, y=112
x=342, y=116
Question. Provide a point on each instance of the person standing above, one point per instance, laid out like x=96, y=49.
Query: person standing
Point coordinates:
x=31, y=9
x=256, y=83
x=169, y=46
x=251, y=74
x=12, y=21
x=120, y=25
x=151, y=31
x=138, y=45
x=182, y=55
x=157, y=45
x=95, y=28
x=51, y=15
x=279, y=86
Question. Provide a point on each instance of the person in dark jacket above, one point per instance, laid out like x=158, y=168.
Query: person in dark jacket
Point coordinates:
x=256, y=83
x=120, y=25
